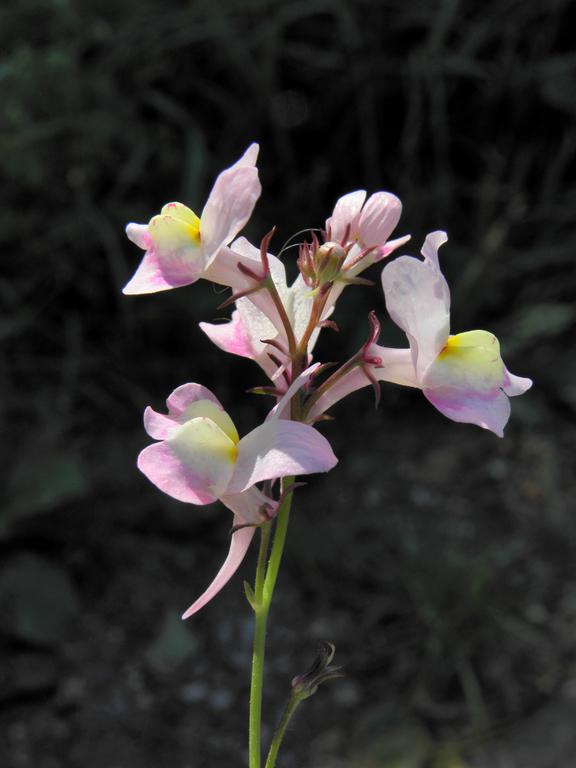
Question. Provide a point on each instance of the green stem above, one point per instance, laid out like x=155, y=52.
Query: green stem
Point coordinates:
x=315, y=317
x=289, y=710
x=254, y=748
x=278, y=543
x=261, y=566
x=263, y=592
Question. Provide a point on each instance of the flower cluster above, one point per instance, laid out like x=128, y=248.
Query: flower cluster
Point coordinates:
x=198, y=456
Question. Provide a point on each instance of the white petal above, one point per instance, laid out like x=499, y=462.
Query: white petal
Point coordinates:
x=280, y=410
x=239, y=543
x=138, y=233
x=251, y=506
x=418, y=300
x=280, y=448
x=345, y=215
x=230, y=204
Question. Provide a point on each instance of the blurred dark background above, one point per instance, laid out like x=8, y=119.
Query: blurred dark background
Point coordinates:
x=438, y=559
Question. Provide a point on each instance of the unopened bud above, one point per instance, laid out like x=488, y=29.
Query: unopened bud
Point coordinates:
x=320, y=265
x=328, y=261
x=306, y=684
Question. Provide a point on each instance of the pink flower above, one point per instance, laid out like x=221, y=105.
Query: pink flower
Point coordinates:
x=363, y=228
x=369, y=223
x=182, y=247
x=200, y=458
x=463, y=375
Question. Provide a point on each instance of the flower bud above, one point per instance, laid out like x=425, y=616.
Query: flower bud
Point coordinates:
x=329, y=259
x=321, y=264
x=306, y=684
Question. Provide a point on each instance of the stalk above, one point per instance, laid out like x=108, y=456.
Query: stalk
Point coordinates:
x=275, y=296
x=289, y=710
x=264, y=585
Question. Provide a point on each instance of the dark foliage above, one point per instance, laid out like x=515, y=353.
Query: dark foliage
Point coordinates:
x=456, y=602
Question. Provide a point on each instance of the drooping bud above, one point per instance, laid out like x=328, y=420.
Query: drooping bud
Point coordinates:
x=306, y=684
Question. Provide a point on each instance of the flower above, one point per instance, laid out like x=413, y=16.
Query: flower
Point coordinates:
x=462, y=375
x=322, y=669
x=368, y=223
x=363, y=227
x=199, y=458
x=182, y=247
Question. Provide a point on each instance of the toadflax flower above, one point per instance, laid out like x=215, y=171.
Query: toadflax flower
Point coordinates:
x=462, y=375
x=182, y=247
x=200, y=458
x=362, y=227
x=368, y=223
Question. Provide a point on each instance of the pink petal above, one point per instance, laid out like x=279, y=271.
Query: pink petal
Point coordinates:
x=279, y=448
x=249, y=158
x=138, y=233
x=251, y=506
x=161, y=272
x=251, y=256
x=230, y=203
x=256, y=323
x=186, y=394
x=397, y=368
x=418, y=300
x=243, y=335
x=239, y=543
x=345, y=215
x=162, y=467
x=261, y=299
x=515, y=385
x=161, y=426
x=223, y=269
x=231, y=337
x=158, y=425
x=432, y=243
x=281, y=409
x=350, y=382
x=489, y=411
x=379, y=217
x=389, y=247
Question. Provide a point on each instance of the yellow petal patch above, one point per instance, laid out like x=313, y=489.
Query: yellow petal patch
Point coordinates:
x=176, y=227
x=469, y=360
x=182, y=212
x=211, y=410
x=206, y=451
